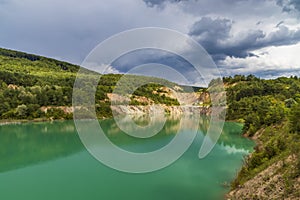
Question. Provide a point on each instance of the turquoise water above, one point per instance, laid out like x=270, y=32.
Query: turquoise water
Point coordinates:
x=47, y=161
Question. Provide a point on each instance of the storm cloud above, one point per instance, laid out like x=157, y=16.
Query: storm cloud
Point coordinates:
x=234, y=32
x=216, y=37
x=152, y=3
x=289, y=5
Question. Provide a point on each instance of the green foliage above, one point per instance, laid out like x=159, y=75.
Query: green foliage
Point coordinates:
x=29, y=82
x=135, y=102
x=294, y=118
x=276, y=145
x=103, y=110
x=260, y=102
x=270, y=110
x=152, y=91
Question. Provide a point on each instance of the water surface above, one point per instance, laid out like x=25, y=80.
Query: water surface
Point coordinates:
x=47, y=161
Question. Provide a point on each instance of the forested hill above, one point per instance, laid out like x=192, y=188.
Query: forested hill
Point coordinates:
x=46, y=62
x=27, y=70
x=261, y=102
x=270, y=110
x=28, y=82
x=35, y=87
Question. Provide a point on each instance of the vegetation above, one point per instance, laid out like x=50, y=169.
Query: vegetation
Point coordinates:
x=37, y=87
x=153, y=92
x=40, y=142
x=260, y=103
x=29, y=82
x=270, y=110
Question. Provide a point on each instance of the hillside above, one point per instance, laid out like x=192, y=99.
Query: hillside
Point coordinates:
x=270, y=110
x=35, y=87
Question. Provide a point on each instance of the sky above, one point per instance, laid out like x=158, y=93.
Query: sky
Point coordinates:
x=260, y=37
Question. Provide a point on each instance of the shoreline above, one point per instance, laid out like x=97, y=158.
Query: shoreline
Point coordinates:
x=273, y=179
x=203, y=110
x=4, y=122
x=257, y=142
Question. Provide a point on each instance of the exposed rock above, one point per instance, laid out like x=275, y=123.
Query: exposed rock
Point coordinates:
x=118, y=98
x=13, y=87
x=66, y=109
x=173, y=110
x=268, y=184
x=191, y=103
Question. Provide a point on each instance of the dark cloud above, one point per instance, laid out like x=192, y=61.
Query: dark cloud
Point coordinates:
x=283, y=36
x=139, y=57
x=289, y=5
x=263, y=73
x=152, y=3
x=210, y=29
x=280, y=23
x=258, y=23
x=210, y=33
x=68, y=31
x=150, y=57
x=215, y=36
x=273, y=73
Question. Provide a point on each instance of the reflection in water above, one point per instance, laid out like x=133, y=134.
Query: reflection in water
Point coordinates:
x=74, y=174
x=29, y=143
x=233, y=149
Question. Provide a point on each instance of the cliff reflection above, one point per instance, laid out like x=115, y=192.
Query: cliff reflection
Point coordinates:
x=32, y=143
x=25, y=144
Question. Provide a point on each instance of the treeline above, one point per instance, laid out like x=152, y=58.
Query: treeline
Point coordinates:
x=25, y=102
x=13, y=55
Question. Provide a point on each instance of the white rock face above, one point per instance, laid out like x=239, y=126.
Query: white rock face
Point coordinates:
x=172, y=110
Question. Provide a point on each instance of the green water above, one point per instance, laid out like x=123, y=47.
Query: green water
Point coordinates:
x=41, y=161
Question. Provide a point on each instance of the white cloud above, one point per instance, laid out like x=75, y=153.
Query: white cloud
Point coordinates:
x=271, y=61
x=111, y=70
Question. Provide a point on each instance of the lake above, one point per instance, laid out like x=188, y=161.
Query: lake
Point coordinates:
x=47, y=160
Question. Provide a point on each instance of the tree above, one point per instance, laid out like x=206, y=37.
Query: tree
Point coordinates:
x=21, y=111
